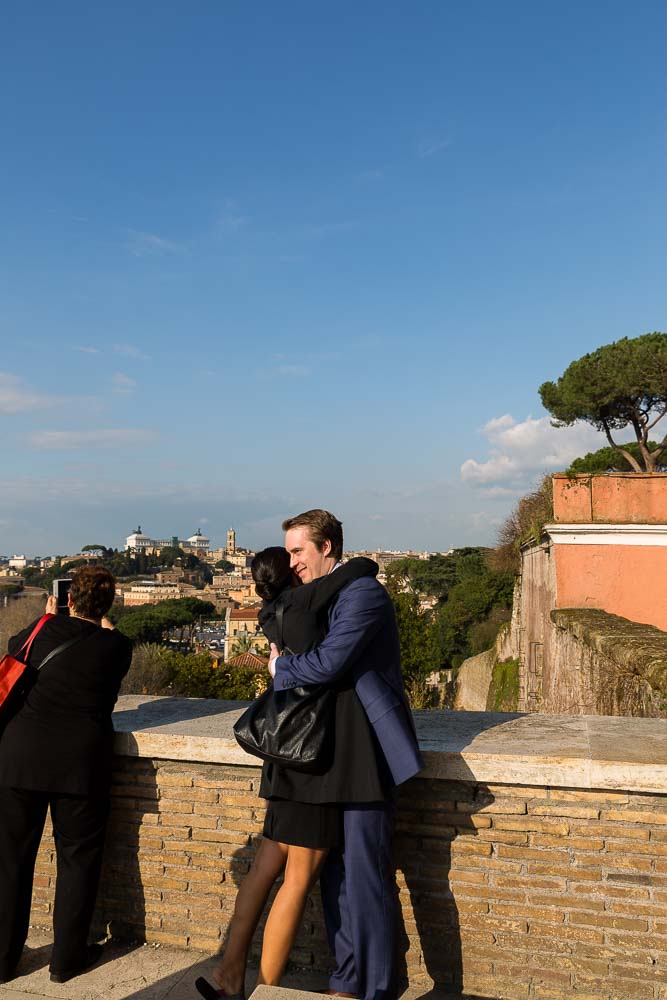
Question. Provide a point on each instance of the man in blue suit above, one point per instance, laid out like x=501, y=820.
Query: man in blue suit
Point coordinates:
x=357, y=882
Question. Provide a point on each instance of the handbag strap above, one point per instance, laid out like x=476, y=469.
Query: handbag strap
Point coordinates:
x=280, y=610
x=61, y=649
x=27, y=645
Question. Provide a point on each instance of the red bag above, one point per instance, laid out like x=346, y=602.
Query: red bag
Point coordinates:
x=13, y=669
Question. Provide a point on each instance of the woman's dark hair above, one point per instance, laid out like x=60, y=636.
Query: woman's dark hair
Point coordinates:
x=271, y=572
x=93, y=591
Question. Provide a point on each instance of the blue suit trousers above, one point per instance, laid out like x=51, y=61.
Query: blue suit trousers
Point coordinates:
x=360, y=904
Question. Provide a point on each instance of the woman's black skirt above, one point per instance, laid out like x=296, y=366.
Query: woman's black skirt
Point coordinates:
x=303, y=824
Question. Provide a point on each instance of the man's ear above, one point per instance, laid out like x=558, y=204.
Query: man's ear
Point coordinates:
x=326, y=547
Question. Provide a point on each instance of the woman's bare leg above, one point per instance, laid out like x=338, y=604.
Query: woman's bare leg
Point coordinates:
x=303, y=867
x=251, y=898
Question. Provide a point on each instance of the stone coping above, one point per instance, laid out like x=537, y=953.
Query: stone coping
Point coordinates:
x=606, y=533
x=567, y=751
x=636, y=648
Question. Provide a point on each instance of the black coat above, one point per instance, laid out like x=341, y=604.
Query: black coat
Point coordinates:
x=60, y=739
x=306, y=607
x=357, y=772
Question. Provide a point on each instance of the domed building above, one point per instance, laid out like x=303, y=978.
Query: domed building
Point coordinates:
x=198, y=543
x=138, y=542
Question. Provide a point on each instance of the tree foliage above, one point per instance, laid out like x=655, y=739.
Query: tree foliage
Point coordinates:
x=160, y=671
x=244, y=643
x=524, y=524
x=478, y=595
x=149, y=623
x=430, y=577
x=472, y=600
x=101, y=549
x=173, y=555
x=611, y=460
x=623, y=384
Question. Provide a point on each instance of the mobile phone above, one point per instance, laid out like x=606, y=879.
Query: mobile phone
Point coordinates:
x=61, y=589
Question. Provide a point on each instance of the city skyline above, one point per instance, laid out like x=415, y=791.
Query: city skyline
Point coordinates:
x=258, y=260
x=216, y=544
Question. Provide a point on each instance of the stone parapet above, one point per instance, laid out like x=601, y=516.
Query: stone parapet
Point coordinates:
x=619, y=497
x=620, y=665
x=531, y=852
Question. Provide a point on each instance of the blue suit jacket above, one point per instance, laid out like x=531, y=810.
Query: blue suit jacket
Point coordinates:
x=363, y=639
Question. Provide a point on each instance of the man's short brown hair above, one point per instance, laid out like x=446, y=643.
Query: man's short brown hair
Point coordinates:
x=93, y=591
x=322, y=527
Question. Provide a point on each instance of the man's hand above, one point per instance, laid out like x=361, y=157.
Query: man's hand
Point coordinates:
x=275, y=653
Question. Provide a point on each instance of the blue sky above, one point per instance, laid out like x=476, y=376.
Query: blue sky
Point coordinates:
x=256, y=258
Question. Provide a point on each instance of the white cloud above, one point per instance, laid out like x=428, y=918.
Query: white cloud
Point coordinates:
x=521, y=450
x=100, y=490
x=130, y=351
x=230, y=220
x=76, y=440
x=141, y=244
x=502, y=491
x=123, y=384
x=427, y=147
x=293, y=371
x=17, y=397
x=87, y=350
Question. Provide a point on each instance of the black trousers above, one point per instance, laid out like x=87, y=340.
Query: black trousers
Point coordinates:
x=79, y=824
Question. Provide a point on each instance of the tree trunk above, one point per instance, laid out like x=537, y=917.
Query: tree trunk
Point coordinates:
x=634, y=464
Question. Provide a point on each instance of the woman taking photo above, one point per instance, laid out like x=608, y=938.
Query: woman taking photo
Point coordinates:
x=56, y=752
x=303, y=819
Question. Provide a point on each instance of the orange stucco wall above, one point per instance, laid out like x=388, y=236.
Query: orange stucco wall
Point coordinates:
x=626, y=580
x=623, y=498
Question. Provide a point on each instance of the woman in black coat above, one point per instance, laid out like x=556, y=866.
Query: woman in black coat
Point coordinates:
x=56, y=752
x=303, y=819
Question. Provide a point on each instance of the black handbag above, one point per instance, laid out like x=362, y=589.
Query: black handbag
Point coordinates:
x=293, y=728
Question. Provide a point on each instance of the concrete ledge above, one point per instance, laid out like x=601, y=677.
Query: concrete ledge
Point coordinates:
x=282, y=993
x=495, y=748
x=607, y=534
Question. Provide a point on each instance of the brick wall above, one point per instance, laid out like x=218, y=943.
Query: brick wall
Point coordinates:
x=515, y=891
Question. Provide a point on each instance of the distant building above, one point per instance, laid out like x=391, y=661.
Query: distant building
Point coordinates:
x=243, y=623
x=138, y=542
x=241, y=558
x=152, y=592
x=214, y=556
x=197, y=543
x=227, y=580
x=251, y=661
x=245, y=594
x=18, y=562
x=231, y=542
x=218, y=597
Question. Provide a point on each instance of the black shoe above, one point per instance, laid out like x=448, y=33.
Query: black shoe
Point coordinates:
x=93, y=955
x=209, y=992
